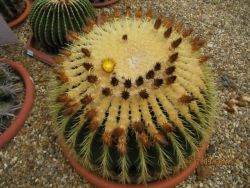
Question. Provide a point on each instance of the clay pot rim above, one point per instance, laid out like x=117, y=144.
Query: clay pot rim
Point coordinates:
x=99, y=182
x=27, y=105
x=104, y=4
x=20, y=19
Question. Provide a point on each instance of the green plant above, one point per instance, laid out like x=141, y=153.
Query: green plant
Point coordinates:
x=52, y=20
x=133, y=100
x=9, y=89
x=10, y=9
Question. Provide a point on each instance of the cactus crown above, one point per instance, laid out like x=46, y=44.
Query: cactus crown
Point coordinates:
x=8, y=96
x=52, y=20
x=10, y=9
x=133, y=101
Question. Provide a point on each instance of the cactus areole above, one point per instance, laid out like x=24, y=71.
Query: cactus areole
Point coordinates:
x=133, y=100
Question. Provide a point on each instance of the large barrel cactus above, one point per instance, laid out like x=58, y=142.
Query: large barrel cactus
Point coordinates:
x=133, y=98
x=52, y=20
x=10, y=9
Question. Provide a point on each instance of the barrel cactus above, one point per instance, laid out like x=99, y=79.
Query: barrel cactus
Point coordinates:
x=9, y=89
x=133, y=99
x=10, y=9
x=52, y=20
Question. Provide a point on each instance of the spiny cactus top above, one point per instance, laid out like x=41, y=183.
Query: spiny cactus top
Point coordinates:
x=51, y=20
x=133, y=100
x=10, y=9
x=9, y=102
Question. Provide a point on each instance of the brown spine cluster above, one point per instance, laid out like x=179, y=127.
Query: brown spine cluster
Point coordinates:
x=157, y=24
x=176, y=43
x=204, y=58
x=178, y=27
x=91, y=113
x=86, y=29
x=128, y=12
x=160, y=138
x=138, y=13
x=143, y=94
x=139, y=81
x=125, y=95
x=58, y=59
x=62, y=76
x=150, y=74
x=87, y=66
x=86, y=52
x=70, y=107
x=106, y=91
x=127, y=83
x=117, y=13
x=64, y=98
x=158, y=82
x=149, y=13
x=125, y=37
x=71, y=36
x=170, y=70
x=173, y=57
x=90, y=22
x=197, y=43
x=167, y=128
x=170, y=80
x=144, y=139
x=122, y=146
x=186, y=98
x=169, y=22
x=65, y=52
x=187, y=32
x=114, y=81
x=86, y=100
x=94, y=126
x=157, y=66
x=107, y=138
x=92, y=79
x=138, y=127
x=168, y=32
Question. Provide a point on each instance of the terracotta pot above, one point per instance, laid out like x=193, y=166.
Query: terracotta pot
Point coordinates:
x=102, y=183
x=23, y=113
x=104, y=4
x=32, y=51
x=20, y=19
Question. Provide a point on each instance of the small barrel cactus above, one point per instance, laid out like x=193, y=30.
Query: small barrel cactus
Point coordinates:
x=133, y=98
x=10, y=9
x=9, y=88
x=51, y=20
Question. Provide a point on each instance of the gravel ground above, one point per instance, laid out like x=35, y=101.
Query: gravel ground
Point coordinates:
x=34, y=159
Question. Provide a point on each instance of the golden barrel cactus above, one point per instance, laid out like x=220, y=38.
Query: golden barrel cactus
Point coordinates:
x=133, y=100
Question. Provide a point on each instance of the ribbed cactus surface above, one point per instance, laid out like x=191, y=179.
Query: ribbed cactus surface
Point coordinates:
x=10, y=9
x=133, y=100
x=9, y=89
x=51, y=20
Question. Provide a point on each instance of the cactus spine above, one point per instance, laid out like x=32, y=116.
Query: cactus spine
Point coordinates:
x=133, y=100
x=10, y=9
x=52, y=20
x=8, y=96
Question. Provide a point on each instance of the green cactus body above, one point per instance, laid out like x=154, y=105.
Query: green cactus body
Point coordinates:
x=133, y=100
x=10, y=9
x=51, y=20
